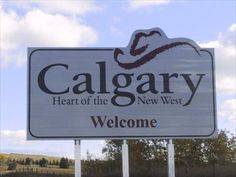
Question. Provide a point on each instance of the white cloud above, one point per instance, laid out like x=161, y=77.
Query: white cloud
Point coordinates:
x=37, y=28
x=232, y=28
x=18, y=134
x=14, y=141
x=15, y=137
x=116, y=32
x=228, y=110
x=137, y=4
x=225, y=60
x=226, y=85
x=68, y=7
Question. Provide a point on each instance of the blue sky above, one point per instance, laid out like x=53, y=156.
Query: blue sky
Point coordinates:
x=105, y=24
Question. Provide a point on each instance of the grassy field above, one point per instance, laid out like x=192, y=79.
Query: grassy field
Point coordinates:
x=25, y=169
x=24, y=156
x=48, y=169
x=205, y=171
x=98, y=168
x=30, y=174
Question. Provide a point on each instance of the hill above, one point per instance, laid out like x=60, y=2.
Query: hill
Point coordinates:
x=24, y=156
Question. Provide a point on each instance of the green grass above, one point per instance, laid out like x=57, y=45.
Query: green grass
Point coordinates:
x=99, y=168
x=200, y=171
x=30, y=174
x=50, y=169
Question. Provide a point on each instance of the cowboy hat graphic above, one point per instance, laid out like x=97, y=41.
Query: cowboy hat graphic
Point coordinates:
x=145, y=45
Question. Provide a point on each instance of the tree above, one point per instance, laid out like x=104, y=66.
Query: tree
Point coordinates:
x=140, y=151
x=2, y=159
x=113, y=150
x=57, y=162
x=145, y=154
x=142, y=156
x=217, y=151
x=64, y=163
x=188, y=152
x=158, y=151
x=36, y=162
x=43, y=162
x=28, y=161
x=232, y=148
x=21, y=161
x=11, y=165
x=54, y=162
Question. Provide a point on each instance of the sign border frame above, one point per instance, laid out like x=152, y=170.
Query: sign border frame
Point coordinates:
x=31, y=136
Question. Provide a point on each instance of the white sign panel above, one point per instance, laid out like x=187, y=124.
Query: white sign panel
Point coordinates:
x=156, y=87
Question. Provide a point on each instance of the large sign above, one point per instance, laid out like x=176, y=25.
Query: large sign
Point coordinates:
x=156, y=87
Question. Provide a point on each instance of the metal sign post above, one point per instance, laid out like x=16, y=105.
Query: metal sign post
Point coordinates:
x=77, y=158
x=125, y=159
x=171, y=159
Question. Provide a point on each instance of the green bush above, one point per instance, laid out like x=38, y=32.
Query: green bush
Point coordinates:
x=64, y=163
x=43, y=162
x=29, y=174
x=11, y=166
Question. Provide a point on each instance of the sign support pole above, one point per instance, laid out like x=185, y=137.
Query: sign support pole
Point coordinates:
x=171, y=159
x=77, y=157
x=125, y=159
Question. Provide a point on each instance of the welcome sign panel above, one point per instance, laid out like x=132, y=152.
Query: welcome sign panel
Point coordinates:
x=155, y=87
